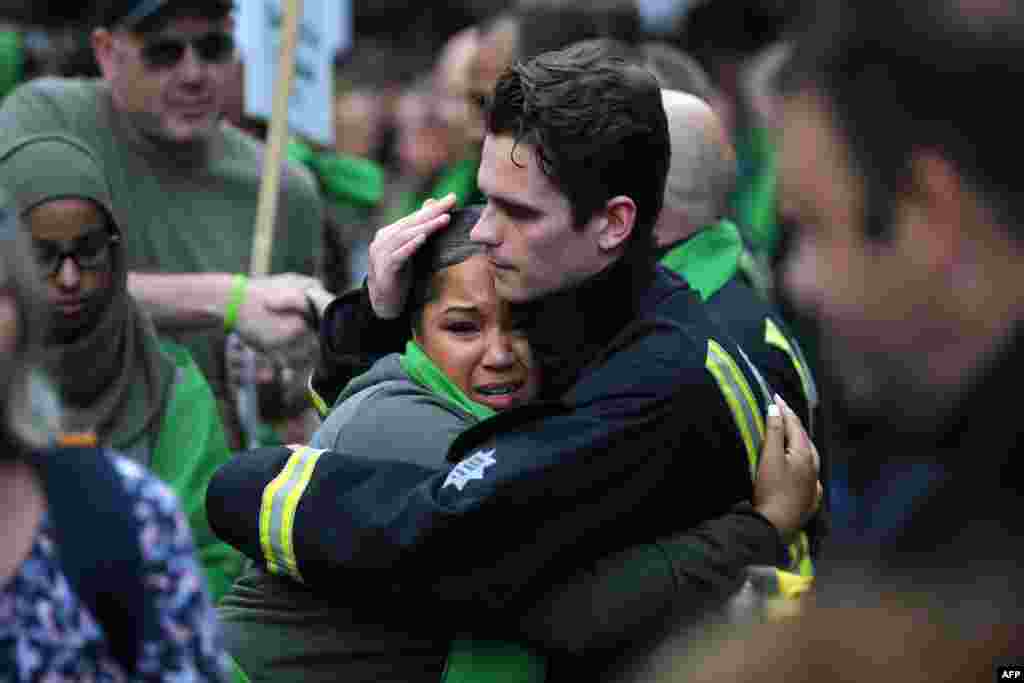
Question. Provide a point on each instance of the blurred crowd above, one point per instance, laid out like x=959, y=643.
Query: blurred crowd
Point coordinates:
x=771, y=437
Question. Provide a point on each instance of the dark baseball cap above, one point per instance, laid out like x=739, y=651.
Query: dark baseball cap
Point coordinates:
x=144, y=15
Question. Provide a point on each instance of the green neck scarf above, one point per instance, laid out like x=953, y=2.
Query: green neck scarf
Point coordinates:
x=708, y=259
x=343, y=178
x=424, y=372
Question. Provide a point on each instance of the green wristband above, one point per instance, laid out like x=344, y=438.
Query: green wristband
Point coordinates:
x=236, y=296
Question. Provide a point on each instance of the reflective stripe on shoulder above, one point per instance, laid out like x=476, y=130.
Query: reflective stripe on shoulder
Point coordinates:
x=747, y=415
x=739, y=397
x=773, y=336
x=277, y=510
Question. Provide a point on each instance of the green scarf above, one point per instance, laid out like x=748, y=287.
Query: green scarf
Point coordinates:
x=342, y=178
x=113, y=379
x=708, y=259
x=424, y=372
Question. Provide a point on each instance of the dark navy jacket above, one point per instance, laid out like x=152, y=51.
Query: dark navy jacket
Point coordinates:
x=636, y=440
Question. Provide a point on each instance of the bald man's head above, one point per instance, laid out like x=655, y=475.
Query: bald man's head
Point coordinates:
x=702, y=171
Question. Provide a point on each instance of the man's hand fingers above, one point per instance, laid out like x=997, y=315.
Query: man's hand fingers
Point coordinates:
x=420, y=233
x=406, y=251
x=427, y=212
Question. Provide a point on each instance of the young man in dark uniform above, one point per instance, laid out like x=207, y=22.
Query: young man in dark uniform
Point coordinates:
x=651, y=423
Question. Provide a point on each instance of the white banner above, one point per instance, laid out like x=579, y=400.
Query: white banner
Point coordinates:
x=326, y=28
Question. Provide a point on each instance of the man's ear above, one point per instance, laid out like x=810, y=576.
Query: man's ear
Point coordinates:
x=619, y=218
x=103, y=50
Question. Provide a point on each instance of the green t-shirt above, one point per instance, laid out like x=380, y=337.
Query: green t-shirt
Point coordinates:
x=177, y=217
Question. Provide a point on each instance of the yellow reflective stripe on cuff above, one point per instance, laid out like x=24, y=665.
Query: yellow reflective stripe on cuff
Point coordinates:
x=266, y=512
x=277, y=511
x=773, y=336
x=738, y=396
x=291, y=504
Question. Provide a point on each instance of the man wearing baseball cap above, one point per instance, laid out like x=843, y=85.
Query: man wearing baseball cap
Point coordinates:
x=185, y=182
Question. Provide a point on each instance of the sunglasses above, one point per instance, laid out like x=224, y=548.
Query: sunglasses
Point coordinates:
x=90, y=252
x=215, y=47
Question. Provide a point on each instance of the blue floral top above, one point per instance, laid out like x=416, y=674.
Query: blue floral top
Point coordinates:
x=47, y=634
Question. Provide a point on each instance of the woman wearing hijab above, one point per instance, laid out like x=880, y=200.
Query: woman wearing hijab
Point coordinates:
x=117, y=381
x=64, y=557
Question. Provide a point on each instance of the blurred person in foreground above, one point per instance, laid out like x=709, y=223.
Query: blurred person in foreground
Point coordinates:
x=133, y=393
x=185, y=181
x=908, y=251
x=640, y=390
x=906, y=201
x=98, y=579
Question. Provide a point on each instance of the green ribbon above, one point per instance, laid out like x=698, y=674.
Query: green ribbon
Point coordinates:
x=708, y=259
x=343, y=178
x=424, y=372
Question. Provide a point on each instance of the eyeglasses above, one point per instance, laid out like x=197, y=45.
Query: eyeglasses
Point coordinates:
x=90, y=252
x=215, y=47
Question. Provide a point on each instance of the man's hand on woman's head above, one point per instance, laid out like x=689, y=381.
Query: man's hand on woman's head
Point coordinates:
x=787, y=491
x=389, y=273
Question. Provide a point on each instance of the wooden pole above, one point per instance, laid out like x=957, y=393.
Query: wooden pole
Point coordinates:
x=278, y=136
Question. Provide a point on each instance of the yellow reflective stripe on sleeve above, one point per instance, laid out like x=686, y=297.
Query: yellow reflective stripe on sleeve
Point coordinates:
x=773, y=336
x=291, y=504
x=748, y=395
x=266, y=513
x=748, y=418
x=277, y=510
x=738, y=396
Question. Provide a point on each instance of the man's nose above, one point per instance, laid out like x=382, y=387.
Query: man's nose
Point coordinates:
x=486, y=230
x=191, y=67
x=68, y=274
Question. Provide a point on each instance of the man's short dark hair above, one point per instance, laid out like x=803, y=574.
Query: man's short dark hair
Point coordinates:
x=597, y=126
x=918, y=75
